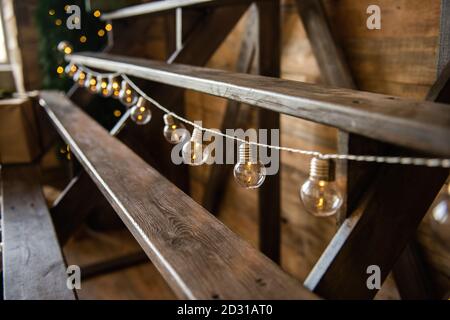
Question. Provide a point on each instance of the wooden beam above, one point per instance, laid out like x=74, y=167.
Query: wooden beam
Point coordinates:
x=420, y=125
x=269, y=50
x=412, y=276
x=33, y=265
x=330, y=58
x=215, y=187
x=156, y=7
x=198, y=256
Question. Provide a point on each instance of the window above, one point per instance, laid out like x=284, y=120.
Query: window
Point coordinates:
x=3, y=54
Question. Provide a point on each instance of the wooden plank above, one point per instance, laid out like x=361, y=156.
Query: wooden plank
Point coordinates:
x=420, y=125
x=215, y=187
x=199, y=257
x=164, y=6
x=269, y=195
x=33, y=265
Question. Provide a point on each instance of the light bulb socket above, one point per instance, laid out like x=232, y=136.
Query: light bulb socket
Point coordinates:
x=247, y=153
x=169, y=120
x=322, y=169
x=141, y=102
x=63, y=45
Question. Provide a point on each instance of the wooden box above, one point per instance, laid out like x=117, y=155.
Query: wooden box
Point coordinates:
x=19, y=142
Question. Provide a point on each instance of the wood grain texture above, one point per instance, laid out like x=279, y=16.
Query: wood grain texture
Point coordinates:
x=164, y=6
x=416, y=124
x=197, y=255
x=444, y=46
x=33, y=265
x=269, y=199
x=329, y=56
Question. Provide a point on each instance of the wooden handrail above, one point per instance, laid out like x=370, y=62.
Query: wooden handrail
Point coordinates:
x=198, y=256
x=164, y=6
x=420, y=125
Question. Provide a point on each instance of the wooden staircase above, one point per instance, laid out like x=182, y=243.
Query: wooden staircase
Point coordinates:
x=197, y=255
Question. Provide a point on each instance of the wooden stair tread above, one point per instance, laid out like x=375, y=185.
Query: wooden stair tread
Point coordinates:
x=33, y=265
x=164, y=6
x=198, y=256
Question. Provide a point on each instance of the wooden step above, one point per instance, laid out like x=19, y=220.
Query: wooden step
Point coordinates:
x=164, y=6
x=33, y=265
x=419, y=125
x=198, y=256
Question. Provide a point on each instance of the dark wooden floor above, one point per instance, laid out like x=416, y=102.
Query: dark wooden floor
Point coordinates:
x=138, y=282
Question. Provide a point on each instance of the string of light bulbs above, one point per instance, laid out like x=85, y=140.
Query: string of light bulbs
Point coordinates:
x=417, y=161
x=319, y=193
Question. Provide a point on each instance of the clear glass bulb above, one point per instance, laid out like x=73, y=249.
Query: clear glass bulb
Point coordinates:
x=91, y=83
x=65, y=47
x=80, y=77
x=194, y=152
x=441, y=211
x=127, y=95
x=319, y=193
x=249, y=173
x=174, y=131
x=141, y=113
x=70, y=69
x=102, y=84
x=114, y=87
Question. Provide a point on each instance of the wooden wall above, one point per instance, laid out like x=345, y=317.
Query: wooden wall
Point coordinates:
x=399, y=59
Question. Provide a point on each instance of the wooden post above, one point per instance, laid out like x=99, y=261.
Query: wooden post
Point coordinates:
x=269, y=65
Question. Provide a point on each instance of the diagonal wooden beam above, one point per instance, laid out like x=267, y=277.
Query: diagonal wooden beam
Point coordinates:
x=378, y=232
x=196, y=51
x=355, y=177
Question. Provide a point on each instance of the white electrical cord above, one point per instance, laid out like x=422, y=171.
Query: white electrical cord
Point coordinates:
x=428, y=162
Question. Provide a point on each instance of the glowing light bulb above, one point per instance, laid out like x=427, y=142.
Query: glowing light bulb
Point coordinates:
x=70, y=69
x=80, y=77
x=91, y=83
x=140, y=113
x=65, y=47
x=127, y=95
x=114, y=87
x=102, y=86
x=441, y=211
x=319, y=193
x=193, y=151
x=249, y=173
x=174, y=131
